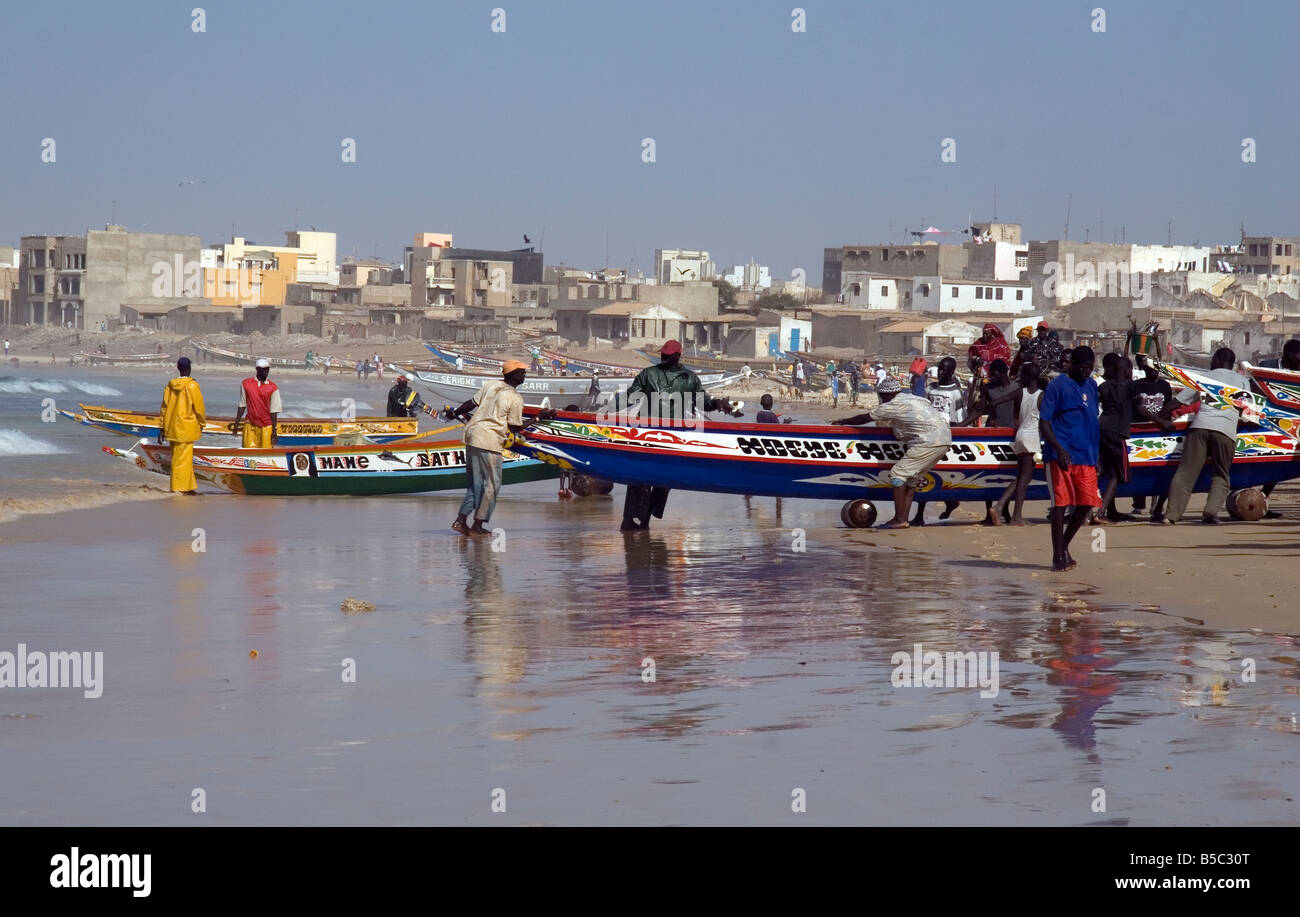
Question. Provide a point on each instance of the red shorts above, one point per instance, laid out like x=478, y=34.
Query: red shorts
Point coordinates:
x=1076, y=487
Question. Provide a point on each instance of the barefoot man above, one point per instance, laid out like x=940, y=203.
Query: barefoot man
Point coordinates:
x=1071, y=435
x=182, y=425
x=922, y=427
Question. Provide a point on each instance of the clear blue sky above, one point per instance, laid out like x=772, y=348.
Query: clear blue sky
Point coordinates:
x=770, y=144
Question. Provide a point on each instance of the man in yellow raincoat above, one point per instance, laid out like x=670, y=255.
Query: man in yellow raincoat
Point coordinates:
x=182, y=425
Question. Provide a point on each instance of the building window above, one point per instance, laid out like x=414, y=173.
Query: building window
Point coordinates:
x=857, y=289
x=1020, y=295
x=38, y=257
x=1279, y=249
x=954, y=293
x=925, y=289
x=1288, y=251
x=884, y=254
x=38, y=283
x=1247, y=337
x=979, y=292
x=884, y=290
x=1178, y=288
x=999, y=296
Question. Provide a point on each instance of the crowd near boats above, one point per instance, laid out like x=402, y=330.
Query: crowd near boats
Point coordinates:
x=660, y=428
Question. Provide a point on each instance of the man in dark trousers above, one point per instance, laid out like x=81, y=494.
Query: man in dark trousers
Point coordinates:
x=1212, y=437
x=669, y=392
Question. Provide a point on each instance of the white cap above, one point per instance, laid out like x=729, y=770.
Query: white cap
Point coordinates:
x=263, y=363
x=408, y=377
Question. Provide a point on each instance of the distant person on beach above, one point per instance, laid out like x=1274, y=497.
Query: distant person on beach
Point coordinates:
x=878, y=371
x=1212, y=437
x=924, y=431
x=833, y=373
x=183, y=416
x=366, y=368
x=260, y=398
x=493, y=415
x=593, y=391
x=1026, y=445
x=460, y=364
x=6, y=348
x=359, y=370
x=798, y=377
x=855, y=380
x=379, y=369
x=766, y=415
x=946, y=394
x=1070, y=434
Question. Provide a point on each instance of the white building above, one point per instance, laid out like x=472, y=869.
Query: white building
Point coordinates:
x=678, y=265
x=864, y=290
x=1153, y=259
x=316, y=254
x=749, y=277
x=930, y=294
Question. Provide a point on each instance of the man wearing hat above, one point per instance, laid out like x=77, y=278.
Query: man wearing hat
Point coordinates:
x=183, y=415
x=494, y=413
x=260, y=398
x=404, y=401
x=664, y=387
x=923, y=429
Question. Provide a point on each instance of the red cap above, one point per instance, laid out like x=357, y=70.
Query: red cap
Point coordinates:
x=669, y=348
x=1042, y=324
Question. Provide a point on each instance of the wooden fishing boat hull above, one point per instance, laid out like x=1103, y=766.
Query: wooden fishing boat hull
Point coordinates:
x=478, y=361
x=222, y=355
x=293, y=431
x=848, y=463
x=134, y=359
x=456, y=388
x=590, y=366
x=423, y=467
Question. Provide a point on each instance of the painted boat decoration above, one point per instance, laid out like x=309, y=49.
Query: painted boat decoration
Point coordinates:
x=294, y=431
x=852, y=463
x=1280, y=386
x=1254, y=408
x=221, y=355
x=411, y=468
x=123, y=359
x=455, y=388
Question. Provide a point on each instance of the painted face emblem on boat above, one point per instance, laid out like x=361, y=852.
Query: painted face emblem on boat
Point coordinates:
x=301, y=462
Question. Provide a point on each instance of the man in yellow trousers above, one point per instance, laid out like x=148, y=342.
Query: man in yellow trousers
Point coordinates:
x=182, y=425
x=260, y=398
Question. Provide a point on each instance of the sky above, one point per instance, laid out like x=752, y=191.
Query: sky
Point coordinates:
x=769, y=144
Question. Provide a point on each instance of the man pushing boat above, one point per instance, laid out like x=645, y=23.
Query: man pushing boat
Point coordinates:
x=665, y=389
x=922, y=427
x=491, y=417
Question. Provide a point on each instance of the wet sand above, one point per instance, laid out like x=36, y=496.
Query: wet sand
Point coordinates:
x=522, y=669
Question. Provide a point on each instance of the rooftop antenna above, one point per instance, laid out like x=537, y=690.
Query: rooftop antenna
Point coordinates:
x=1169, y=235
x=1068, y=201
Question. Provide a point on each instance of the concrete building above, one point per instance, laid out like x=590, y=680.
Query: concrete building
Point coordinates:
x=1267, y=255
x=526, y=264
x=865, y=290
x=749, y=277
x=438, y=279
x=927, y=258
x=923, y=336
x=314, y=255
x=1006, y=261
x=929, y=294
x=696, y=303
x=360, y=272
x=766, y=335
x=680, y=265
x=10, y=259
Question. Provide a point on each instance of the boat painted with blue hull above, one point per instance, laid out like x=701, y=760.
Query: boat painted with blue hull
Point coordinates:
x=852, y=463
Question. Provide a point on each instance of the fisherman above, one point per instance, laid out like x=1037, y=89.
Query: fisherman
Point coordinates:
x=1070, y=433
x=946, y=395
x=183, y=416
x=799, y=377
x=667, y=387
x=404, y=401
x=832, y=372
x=260, y=398
x=1211, y=436
x=922, y=428
x=997, y=401
x=460, y=363
x=491, y=417
x=593, y=391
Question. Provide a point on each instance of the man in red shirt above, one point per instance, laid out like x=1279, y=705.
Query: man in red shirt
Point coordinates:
x=260, y=398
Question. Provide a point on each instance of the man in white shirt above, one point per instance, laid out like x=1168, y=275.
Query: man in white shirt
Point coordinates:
x=1211, y=436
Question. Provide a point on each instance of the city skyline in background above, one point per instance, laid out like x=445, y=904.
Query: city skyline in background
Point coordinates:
x=769, y=144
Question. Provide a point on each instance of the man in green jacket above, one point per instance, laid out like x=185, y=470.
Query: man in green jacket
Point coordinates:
x=669, y=392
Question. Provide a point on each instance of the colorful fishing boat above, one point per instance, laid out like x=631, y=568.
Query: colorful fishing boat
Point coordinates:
x=422, y=466
x=456, y=388
x=852, y=463
x=467, y=358
x=579, y=365
x=1253, y=408
x=221, y=355
x=293, y=431
x=1280, y=386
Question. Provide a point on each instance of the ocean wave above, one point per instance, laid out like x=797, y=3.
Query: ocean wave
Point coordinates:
x=16, y=442
x=99, y=495
x=321, y=409
x=16, y=385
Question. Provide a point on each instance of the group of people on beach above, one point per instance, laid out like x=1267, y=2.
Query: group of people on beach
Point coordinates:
x=1048, y=395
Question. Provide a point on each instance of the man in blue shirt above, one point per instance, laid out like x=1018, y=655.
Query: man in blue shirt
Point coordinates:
x=1071, y=436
